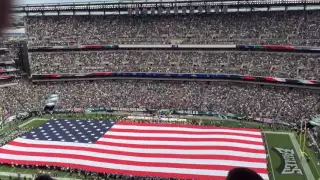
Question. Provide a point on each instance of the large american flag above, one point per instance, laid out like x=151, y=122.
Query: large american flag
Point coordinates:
x=140, y=149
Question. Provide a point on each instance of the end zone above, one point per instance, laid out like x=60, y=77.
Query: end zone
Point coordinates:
x=285, y=157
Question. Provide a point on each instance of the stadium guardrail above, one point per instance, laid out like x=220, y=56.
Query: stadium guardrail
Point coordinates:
x=8, y=70
x=7, y=77
x=165, y=112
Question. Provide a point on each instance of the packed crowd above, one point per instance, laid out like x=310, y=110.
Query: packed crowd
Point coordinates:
x=11, y=51
x=11, y=135
x=287, y=65
x=253, y=41
x=295, y=27
x=8, y=54
x=251, y=100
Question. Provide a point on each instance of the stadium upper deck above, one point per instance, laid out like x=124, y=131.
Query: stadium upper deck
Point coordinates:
x=165, y=7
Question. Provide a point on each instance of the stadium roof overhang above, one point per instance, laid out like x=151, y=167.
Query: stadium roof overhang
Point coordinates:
x=315, y=122
x=123, y=6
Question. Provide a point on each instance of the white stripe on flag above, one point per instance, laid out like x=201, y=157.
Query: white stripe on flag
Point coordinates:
x=204, y=136
x=183, y=143
x=136, y=127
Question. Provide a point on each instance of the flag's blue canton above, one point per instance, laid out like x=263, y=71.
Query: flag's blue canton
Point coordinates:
x=70, y=130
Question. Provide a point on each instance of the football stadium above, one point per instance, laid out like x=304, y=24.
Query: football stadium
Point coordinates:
x=161, y=90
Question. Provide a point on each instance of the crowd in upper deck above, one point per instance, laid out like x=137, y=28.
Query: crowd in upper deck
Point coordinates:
x=291, y=27
x=284, y=65
x=9, y=52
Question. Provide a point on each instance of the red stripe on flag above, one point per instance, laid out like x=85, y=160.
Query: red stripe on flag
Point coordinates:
x=142, y=146
x=162, y=139
x=183, y=125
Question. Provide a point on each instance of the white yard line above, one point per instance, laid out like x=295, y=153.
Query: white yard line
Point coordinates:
x=24, y=172
x=315, y=165
x=305, y=166
x=274, y=132
x=66, y=175
x=269, y=155
x=12, y=169
x=34, y=119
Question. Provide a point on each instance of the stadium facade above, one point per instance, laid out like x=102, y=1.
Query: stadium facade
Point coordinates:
x=165, y=7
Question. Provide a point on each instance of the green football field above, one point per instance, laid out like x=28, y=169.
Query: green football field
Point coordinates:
x=276, y=160
x=315, y=168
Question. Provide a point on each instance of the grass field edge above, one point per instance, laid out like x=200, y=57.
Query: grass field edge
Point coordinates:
x=306, y=167
x=269, y=156
x=30, y=121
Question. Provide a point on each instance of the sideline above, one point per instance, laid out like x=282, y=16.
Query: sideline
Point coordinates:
x=276, y=132
x=269, y=155
x=34, y=119
x=304, y=164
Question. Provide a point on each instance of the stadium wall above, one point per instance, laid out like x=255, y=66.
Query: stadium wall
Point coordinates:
x=172, y=76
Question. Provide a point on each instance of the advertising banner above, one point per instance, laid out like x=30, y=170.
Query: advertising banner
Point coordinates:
x=95, y=109
x=62, y=111
x=77, y=110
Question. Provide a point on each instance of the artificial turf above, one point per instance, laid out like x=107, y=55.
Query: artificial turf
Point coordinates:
x=281, y=141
